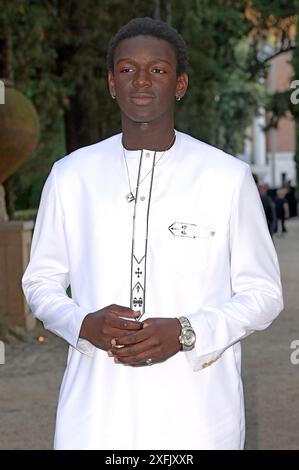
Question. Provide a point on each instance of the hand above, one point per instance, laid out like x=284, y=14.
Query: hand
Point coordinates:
x=100, y=327
x=158, y=340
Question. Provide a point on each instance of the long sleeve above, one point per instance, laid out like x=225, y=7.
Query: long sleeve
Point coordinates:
x=47, y=276
x=255, y=281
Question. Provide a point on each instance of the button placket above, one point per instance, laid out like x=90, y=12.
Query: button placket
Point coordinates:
x=140, y=229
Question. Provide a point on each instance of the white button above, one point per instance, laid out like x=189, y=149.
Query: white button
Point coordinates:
x=142, y=198
x=147, y=154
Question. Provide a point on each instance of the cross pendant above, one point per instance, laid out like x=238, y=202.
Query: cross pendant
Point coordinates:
x=130, y=197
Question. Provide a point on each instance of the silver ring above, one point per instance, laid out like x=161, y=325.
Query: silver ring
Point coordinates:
x=149, y=362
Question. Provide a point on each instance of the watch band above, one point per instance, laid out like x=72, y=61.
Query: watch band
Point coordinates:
x=185, y=323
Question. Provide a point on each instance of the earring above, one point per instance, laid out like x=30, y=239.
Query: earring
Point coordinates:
x=113, y=97
x=178, y=97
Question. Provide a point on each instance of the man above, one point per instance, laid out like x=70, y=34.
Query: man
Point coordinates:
x=135, y=226
x=268, y=205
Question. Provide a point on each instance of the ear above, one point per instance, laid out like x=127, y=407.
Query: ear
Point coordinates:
x=111, y=83
x=181, y=85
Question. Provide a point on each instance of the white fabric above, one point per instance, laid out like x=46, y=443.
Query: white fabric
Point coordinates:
x=225, y=280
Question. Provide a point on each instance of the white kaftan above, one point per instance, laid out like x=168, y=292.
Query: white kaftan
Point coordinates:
x=201, y=249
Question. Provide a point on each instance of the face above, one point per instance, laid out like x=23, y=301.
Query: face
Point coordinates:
x=144, y=79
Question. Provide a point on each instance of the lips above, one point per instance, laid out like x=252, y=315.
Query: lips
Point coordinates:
x=141, y=99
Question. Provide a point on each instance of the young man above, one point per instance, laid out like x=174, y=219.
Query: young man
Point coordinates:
x=165, y=245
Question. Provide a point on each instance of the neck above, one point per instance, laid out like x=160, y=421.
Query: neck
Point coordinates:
x=146, y=136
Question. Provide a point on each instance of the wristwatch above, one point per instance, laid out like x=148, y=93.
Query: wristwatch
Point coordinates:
x=187, y=337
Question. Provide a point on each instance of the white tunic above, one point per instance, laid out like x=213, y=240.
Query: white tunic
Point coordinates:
x=201, y=249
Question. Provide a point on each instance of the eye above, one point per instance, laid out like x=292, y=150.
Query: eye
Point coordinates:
x=158, y=70
x=126, y=69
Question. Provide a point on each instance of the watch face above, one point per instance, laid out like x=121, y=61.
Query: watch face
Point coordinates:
x=188, y=337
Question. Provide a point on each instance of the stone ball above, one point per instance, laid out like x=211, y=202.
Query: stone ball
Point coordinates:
x=19, y=131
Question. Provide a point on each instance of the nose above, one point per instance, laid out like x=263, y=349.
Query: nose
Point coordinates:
x=141, y=79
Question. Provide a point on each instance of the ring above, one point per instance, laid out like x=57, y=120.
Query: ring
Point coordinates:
x=149, y=362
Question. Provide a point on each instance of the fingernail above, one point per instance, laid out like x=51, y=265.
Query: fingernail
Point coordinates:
x=116, y=360
x=110, y=353
x=113, y=342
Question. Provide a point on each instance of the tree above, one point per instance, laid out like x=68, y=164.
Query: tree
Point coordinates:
x=279, y=104
x=225, y=39
x=59, y=61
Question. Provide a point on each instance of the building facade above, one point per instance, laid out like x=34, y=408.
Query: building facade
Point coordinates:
x=271, y=154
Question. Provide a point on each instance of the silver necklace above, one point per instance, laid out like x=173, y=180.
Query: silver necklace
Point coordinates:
x=131, y=196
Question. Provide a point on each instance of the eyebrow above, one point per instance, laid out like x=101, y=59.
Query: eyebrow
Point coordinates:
x=129, y=59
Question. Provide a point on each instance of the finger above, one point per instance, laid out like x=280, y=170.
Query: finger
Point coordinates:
x=121, y=311
x=133, y=350
x=107, y=337
x=124, y=323
x=116, y=333
x=140, y=359
x=132, y=338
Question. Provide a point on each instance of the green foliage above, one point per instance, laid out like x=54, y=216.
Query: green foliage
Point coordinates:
x=27, y=214
x=271, y=12
x=223, y=97
x=277, y=104
x=238, y=103
x=29, y=179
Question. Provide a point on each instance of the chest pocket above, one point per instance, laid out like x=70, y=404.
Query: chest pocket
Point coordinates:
x=187, y=247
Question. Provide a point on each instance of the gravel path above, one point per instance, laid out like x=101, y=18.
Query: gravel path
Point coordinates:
x=30, y=379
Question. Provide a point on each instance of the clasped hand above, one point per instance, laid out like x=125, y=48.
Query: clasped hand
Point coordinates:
x=115, y=330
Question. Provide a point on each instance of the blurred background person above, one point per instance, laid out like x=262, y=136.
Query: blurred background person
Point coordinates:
x=291, y=199
x=282, y=209
x=268, y=205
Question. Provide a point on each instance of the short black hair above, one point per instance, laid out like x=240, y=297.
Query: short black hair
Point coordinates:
x=150, y=27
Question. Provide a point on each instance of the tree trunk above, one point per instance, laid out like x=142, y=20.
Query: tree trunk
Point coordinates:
x=6, y=70
x=3, y=213
x=157, y=11
x=163, y=11
x=168, y=12
x=81, y=120
x=10, y=196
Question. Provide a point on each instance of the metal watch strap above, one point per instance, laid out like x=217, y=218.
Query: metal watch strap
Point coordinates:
x=185, y=323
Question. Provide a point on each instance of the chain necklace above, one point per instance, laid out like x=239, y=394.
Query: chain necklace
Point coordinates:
x=131, y=196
